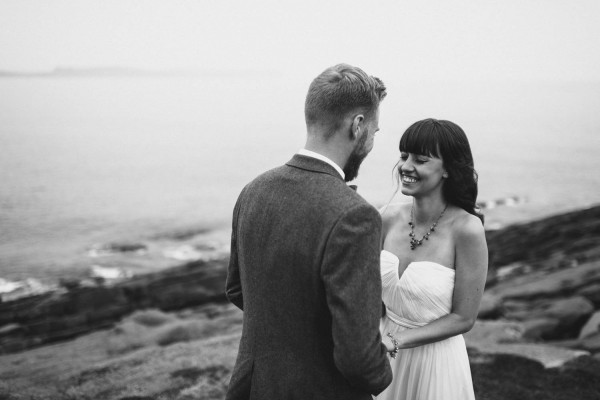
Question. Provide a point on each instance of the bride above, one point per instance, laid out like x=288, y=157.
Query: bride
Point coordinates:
x=433, y=265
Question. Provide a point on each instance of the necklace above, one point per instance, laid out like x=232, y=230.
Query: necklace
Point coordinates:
x=417, y=242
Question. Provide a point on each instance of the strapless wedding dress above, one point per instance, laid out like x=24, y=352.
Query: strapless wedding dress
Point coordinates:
x=436, y=371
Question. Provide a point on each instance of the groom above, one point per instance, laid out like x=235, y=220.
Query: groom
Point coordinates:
x=304, y=262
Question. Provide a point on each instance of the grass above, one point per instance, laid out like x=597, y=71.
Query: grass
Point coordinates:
x=189, y=356
x=149, y=355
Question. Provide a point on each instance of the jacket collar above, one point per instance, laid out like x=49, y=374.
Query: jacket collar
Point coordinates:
x=312, y=164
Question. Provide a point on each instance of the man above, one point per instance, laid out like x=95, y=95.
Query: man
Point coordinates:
x=304, y=262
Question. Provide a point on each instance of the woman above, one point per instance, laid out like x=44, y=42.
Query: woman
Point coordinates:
x=433, y=265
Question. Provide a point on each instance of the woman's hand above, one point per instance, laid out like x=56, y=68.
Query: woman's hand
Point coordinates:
x=392, y=345
x=389, y=345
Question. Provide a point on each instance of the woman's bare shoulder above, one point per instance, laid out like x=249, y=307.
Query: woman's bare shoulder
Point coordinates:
x=467, y=226
x=394, y=212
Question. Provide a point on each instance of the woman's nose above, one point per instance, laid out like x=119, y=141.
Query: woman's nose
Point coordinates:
x=406, y=166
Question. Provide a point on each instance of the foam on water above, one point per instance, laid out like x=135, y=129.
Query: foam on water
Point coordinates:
x=93, y=161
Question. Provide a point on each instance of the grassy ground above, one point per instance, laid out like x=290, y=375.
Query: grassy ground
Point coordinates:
x=152, y=355
x=149, y=355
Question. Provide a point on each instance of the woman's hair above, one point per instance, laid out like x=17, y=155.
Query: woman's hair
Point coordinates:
x=446, y=140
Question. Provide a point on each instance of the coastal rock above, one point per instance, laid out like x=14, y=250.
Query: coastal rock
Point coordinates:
x=571, y=313
x=64, y=315
x=592, y=326
x=555, y=284
x=10, y=291
x=559, y=239
x=486, y=332
x=11, y=329
x=106, y=249
x=516, y=309
x=592, y=293
x=540, y=328
x=489, y=306
x=589, y=343
x=547, y=355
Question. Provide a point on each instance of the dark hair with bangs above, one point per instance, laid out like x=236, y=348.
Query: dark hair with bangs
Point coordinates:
x=446, y=140
x=339, y=90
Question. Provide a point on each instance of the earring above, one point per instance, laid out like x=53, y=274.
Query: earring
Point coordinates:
x=444, y=175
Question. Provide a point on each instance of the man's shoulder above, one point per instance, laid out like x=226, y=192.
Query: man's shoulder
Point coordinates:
x=325, y=192
x=267, y=176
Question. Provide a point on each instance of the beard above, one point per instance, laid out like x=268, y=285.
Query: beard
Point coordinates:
x=356, y=158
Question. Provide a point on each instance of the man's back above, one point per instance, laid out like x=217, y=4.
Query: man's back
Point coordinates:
x=305, y=269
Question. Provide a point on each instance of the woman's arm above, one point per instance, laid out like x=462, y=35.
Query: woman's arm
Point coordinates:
x=384, y=212
x=471, y=270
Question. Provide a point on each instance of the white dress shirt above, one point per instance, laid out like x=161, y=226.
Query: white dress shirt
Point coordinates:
x=321, y=157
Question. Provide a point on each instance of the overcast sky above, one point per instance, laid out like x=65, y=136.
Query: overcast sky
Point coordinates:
x=441, y=39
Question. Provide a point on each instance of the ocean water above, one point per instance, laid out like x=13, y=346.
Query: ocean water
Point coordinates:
x=88, y=161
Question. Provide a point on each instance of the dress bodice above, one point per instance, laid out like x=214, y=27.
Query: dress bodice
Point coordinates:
x=438, y=370
x=422, y=294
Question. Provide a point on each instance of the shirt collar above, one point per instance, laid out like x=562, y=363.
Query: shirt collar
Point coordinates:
x=321, y=157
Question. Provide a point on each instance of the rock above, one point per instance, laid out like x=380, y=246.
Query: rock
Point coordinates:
x=64, y=315
x=591, y=343
x=11, y=329
x=560, y=283
x=566, y=237
x=548, y=356
x=485, y=332
x=592, y=326
x=540, y=328
x=571, y=313
x=592, y=293
x=100, y=250
x=512, y=309
x=489, y=306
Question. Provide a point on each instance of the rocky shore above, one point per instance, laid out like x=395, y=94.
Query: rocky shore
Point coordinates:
x=543, y=291
x=76, y=309
x=537, y=336
x=543, y=286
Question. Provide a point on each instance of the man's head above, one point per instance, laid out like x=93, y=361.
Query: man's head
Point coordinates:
x=340, y=91
x=342, y=108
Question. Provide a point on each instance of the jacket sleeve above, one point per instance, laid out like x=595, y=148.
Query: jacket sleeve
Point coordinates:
x=352, y=280
x=233, y=286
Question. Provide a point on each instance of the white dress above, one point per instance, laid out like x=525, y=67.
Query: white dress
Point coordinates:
x=423, y=294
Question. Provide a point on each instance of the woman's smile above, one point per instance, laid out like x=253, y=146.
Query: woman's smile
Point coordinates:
x=407, y=179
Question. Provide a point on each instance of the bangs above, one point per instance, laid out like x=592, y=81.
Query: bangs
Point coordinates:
x=421, y=138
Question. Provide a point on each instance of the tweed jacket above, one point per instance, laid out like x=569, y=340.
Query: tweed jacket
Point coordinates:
x=305, y=270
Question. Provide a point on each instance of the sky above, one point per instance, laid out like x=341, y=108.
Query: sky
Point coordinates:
x=433, y=40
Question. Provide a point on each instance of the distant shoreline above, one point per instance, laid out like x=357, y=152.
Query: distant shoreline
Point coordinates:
x=110, y=72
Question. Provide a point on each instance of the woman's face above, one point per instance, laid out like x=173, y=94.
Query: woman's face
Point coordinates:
x=420, y=175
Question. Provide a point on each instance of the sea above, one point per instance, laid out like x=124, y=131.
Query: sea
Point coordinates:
x=135, y=174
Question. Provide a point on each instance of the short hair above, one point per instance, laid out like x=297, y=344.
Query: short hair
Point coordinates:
x=340, y=90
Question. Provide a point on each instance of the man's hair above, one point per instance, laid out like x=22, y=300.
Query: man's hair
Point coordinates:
x=340, y=90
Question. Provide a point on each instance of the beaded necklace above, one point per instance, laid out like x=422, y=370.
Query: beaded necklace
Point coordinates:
x=418, y=242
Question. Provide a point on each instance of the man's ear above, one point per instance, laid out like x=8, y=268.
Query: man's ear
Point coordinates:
x=355, y=129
